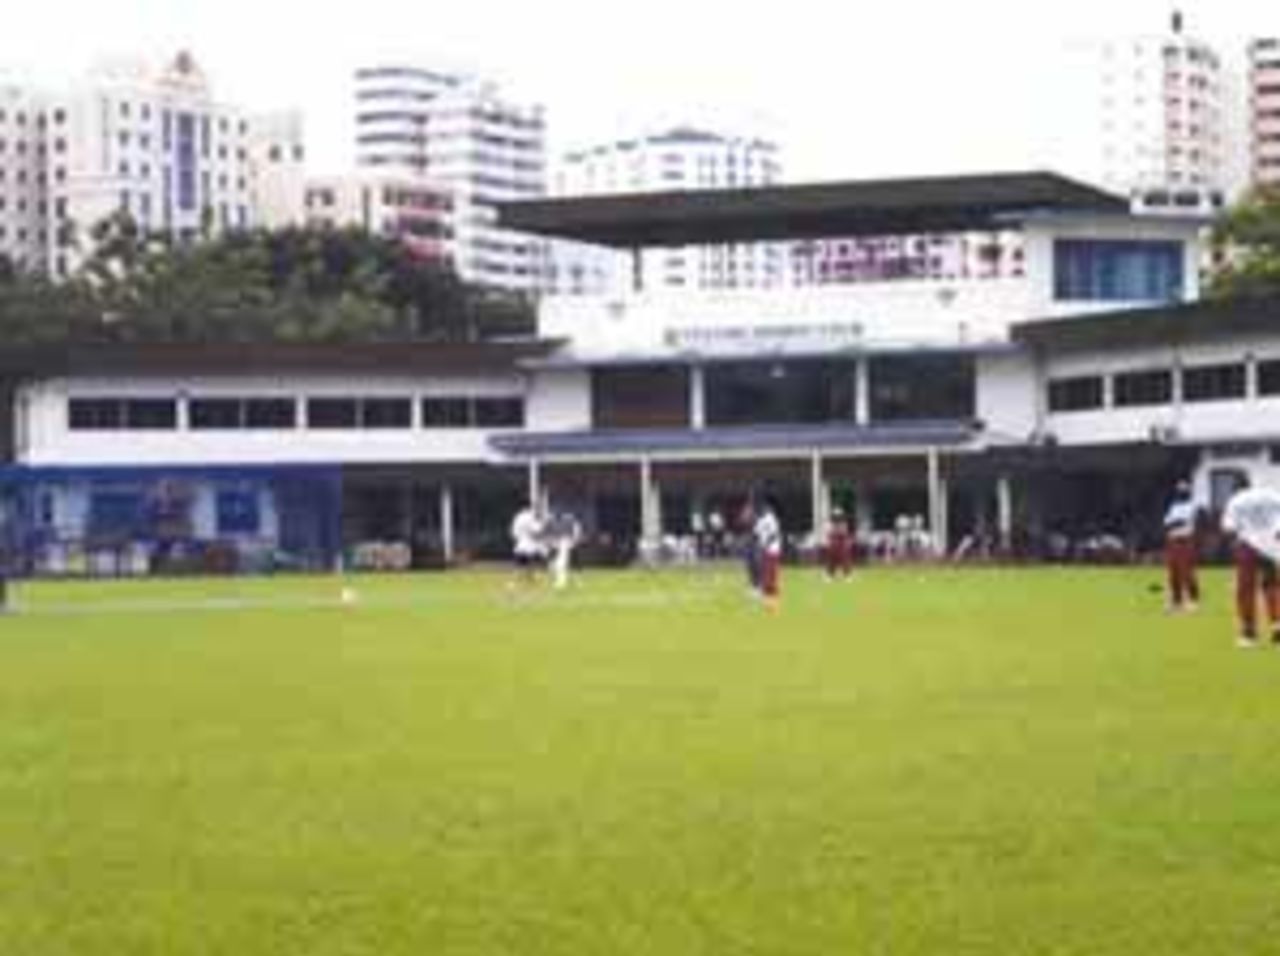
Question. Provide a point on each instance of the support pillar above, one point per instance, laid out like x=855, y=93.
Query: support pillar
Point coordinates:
x=535, y=482
x=820, y=496
x=1004, y=512
x=937, y=491
x=942, y=537
x=637, y=270
x=446, y=523
x=863, y=513
x=862, y=393
x=650, y=504
x=697, y=397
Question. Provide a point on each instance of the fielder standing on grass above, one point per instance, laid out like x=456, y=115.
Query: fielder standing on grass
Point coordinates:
x=768, y=541
x=1180, y=548
x=1252, y=518
x=564, y=532
x=526, y=537
x=839, y=548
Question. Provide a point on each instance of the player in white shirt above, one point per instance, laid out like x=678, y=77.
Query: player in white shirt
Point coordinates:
x=1252, y=517
x=1180, y=550
x=768, y=541
x=564, y=532
x=526, y=537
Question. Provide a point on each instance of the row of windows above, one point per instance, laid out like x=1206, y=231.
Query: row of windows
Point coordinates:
x=255, y=414
x=1201, y=383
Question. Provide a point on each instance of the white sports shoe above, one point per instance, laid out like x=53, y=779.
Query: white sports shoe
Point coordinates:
x=1246, y=642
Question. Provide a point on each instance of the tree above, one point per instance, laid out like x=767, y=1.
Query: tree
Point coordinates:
x=307, y=285
x=1249, y=235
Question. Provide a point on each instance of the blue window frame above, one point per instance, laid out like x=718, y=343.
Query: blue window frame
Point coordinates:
x=1108, y=270
x=186, y=162
x=238, y=511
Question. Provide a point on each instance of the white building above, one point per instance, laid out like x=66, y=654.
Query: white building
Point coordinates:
x=150, y=142
x=464, y=133
x=1163, y=116
x=677, y=159
x=1062, y=403
x=395, y=205
x=1264, y=111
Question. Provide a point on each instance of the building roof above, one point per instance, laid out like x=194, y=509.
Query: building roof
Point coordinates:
x=239, y=358
x=1169, y=323
x=781, y=438
x=809, y=211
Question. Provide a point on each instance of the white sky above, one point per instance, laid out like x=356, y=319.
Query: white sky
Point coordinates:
x=850, y=89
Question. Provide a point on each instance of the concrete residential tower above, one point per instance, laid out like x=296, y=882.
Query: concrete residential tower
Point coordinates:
x=464, y=134
x=153, y=143
x=674, y=160
x=1165, y=105
x=1264, y=111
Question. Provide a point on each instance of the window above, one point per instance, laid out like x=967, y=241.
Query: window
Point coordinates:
x=114, y=414
x=94, y=414
x=922, y=388
x=151, y=414
x=499, y=412
x=1075, y=394
x=445, y=413
x=216, y=414
x=238, y=511
x=1148, y=387
x=1269, y=377
x=386, y=413
x=268, y=413
x=332, y=413
x=220, y=414
x=640, y=397
x=1210, y=383
x=1117, y=271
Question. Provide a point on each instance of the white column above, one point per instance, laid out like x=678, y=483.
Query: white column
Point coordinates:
x=1004, y=511
x=936, y=492
x=942, y=537
x=819, y=496
x=864, y=517
x=446, y=523
x=650, y=504
x=697, y=397
x=862, y=393
x=535, y=482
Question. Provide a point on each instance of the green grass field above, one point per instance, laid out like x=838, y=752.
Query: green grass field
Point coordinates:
x=977, y=762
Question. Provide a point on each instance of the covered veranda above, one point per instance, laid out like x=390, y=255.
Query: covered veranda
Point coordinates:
x=633, y=488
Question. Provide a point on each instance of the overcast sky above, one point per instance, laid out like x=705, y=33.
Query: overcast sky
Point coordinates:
x=849, y=89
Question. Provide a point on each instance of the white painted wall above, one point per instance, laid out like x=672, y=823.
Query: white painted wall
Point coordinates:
x=559, y=400
x=51, y=442
x=891, y=313
x=1253, y=418
x=1006, y=395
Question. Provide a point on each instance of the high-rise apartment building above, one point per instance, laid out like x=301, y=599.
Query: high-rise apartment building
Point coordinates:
x=463, y=133
x=394, y=205
x=1163, y=108
x=1264, y=111
x=674, y=160
x=151, y=143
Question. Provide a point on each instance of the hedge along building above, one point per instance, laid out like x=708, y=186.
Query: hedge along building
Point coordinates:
x=1027, y=403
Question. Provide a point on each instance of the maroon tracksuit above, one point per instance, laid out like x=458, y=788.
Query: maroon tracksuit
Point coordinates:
x=839, y=552
x=1255, y=572
x=1180, y=561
